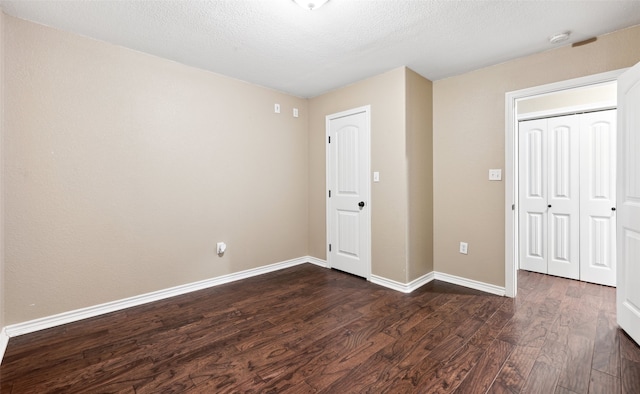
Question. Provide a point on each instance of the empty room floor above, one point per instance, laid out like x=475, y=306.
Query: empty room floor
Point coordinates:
x=309, y=329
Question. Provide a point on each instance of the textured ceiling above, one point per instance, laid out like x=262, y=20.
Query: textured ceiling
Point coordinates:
x=277, y=44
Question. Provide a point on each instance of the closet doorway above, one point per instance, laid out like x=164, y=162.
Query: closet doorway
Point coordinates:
x=524, y=103
x=566, y=192
x=566, y=183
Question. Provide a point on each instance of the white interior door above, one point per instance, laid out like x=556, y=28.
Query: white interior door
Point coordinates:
x=533, y=195
x=348, y=214
x=563, y=200
x=598, y=197
x=628, y=192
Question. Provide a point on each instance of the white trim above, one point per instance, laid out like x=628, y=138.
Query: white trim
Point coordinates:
x=403, y=287
x=317, y=261
x=511, y=164
x=470, y=283
x=367, y=110
x=4, y=341
x=96, y=310
x=433, y=275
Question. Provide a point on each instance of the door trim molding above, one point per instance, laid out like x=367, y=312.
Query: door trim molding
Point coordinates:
x=367, y=111
x=511, y=163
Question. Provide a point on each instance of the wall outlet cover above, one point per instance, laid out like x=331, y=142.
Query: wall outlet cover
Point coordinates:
x=495, y=175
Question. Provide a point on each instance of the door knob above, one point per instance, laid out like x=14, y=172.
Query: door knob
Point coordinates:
x=361, y=204
x=613, y=208
x=549, y=206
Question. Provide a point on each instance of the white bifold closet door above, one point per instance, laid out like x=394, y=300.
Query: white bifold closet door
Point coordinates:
x=598, y=197
x=550, y=196
x=532, y=191
x=562, y=226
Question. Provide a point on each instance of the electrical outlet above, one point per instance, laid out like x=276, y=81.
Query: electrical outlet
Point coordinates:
x=495, y=174
x=464, y=247
x=295, y=112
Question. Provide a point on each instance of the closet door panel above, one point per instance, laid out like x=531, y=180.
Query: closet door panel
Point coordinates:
x=563, y=134
x=597, y=197
x=533, y=195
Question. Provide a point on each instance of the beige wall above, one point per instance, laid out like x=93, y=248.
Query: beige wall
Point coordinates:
x=419, y=145
x=469, y=140
x=401, y=150
x=569, y=98
x=386, y=95
x=123, y=170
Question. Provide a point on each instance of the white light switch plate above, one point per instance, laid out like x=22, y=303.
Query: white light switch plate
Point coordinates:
x=495, y=175
x=376, y=176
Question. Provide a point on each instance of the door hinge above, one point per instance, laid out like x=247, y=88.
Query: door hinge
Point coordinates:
x=329, y=139
x=329, y=193
x=329, y=247
x=513, y=207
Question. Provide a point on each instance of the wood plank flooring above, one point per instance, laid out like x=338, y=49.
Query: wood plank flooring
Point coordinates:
x=308, y=329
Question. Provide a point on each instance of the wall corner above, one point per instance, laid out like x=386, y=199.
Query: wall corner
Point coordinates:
x=419, y=152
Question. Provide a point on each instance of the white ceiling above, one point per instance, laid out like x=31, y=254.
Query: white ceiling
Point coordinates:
x=275, y=43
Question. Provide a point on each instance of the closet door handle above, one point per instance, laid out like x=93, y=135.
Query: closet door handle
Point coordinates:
x=549, y=206
x=613, y=208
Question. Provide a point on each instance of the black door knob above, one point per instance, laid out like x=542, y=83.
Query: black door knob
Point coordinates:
x=549, y=206
x=613, y=208
x=361, y=204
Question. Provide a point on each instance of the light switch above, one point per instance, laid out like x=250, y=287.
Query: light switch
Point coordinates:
x=376, y=176
x=495, y=175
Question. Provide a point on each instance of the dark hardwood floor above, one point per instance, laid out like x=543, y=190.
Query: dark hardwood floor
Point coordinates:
x=308, y=329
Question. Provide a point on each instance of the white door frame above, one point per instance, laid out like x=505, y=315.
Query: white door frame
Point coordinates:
x=511, y=164
x=367, y=110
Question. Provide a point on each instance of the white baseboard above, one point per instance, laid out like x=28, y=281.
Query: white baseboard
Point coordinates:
x=4, y=341
x=470, y=283
x=96, y=310
x=316, y=261
x=423, y=280
x=403, y=287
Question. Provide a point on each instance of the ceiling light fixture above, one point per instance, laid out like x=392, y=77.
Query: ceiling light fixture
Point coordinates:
x=310, y=4
x=560, y=37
